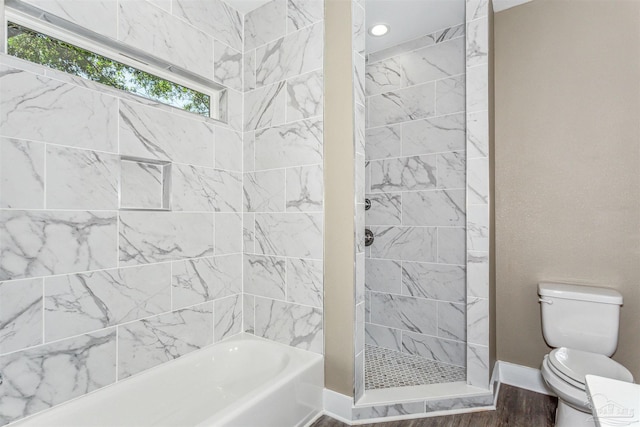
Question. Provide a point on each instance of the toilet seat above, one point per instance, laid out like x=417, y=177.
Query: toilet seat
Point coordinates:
x=572, y=365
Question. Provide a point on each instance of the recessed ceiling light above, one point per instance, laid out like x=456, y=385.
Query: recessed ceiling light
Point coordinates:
x=379, y=30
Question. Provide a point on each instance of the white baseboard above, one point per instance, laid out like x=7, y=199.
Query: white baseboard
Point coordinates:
x=337, y=405
x=522, y=377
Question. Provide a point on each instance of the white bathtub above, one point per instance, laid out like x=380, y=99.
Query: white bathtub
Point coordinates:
x=244, y=381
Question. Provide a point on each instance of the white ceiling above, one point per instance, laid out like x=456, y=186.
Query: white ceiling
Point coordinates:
x=500, y=5
x=410, y=19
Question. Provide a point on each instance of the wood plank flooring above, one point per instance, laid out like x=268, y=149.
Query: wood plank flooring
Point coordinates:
x=516, y=408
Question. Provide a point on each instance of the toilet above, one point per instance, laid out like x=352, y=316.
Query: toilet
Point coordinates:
x=581, y=324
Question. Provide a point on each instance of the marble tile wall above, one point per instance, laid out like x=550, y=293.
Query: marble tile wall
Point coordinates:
x=283, y=186
x=91, y=294
x=416, y=181
x=477, y=141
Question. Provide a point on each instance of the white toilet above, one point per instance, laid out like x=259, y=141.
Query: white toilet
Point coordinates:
x=581, y=323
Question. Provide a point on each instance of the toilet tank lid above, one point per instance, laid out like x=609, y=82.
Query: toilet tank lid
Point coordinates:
x=579, y=292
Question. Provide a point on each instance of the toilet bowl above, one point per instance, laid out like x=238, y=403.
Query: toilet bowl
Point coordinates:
x=564, y=372
x=581, y=323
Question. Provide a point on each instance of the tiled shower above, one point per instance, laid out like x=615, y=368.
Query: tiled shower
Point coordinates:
x=133, y=233
x=415, y=268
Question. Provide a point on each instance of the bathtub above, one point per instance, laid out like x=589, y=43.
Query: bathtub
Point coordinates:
x=243, y=381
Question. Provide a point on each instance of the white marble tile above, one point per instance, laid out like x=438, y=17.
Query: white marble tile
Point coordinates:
x=151, y=133
x=383, y=275
x=265, y=276
x=478, y=228
x=452, y=322
x=359, y=79
x=478, y=274
x=384, y=411
x=383, y=76
x=305, y=96
x=40, y=243
x=227, y=66
x=227, y=317
x=358, y=30
x=139, y=24
x=434, y=208
x=359, y=376
x=360, y=278
x=360, y=225
x=249, y=70
x=290, y=234
x=205, y=279
x=265, y=24
x=452, y=171
x=416, y=102
x=434, y=62
x=477, y=88
x=406, y=173
x=404, y=243
x=367, y=176
x=302, y=13
x=149, y=342
x=478, y=134
x=484, y=400
x=305, y=189
x=141, y=184
x=451, y=245
x=438, y=134
x=149, y=237
x=383, y=142
x=291, y=324
x=80, y=303
x=478, y=321
x=359, y=328
x=477, y=42
x=380, y=336
x=295, y=144
x=434, y=281
x=21, y=174
x=478, y=365
x=20, y=314
x=228, y=150
x=405, y=313
x=305, y=281
x=162, y=4
x=248, y=232
x=360, y=181
x=99, y=16
x=386, y=209
x=44, y=376
x=37, y=108
x=441, y=350
x=450, y=95
x=265, y=107
x=202, y=189
x=295, y=54
x=359, y=125
x=81, y=179
x=235, y=109
x=264, y=191
x=228, y=233
x=476, y=9
x=408, y=46
x=214, y=17
x=248, y=313
x=450, y=33
x=248, y=152
x=478, y=181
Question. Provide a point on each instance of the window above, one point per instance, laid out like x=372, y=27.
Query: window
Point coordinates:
x=42, y=49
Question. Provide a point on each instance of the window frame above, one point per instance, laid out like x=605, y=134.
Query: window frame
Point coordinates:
x=65, y=31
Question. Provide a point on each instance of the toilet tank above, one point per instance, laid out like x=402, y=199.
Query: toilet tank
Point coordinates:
x=581, y=317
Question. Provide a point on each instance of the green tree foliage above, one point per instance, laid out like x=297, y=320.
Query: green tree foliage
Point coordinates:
x=42, y=49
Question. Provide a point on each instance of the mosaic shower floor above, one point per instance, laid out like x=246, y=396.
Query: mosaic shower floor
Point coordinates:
x=387, y=368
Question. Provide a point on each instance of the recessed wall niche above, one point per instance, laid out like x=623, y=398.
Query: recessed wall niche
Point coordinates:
x=144, y=184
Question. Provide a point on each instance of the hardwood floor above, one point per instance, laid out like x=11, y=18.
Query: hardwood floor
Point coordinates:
x=516, y=408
